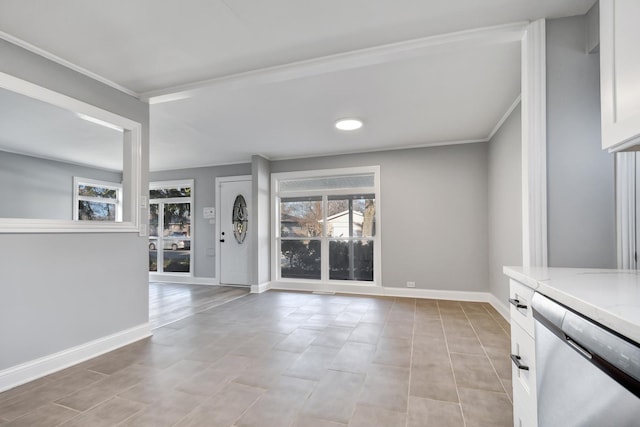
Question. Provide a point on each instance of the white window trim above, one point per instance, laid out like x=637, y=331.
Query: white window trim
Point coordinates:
x=78, y=181
x=275, y=223
x=132, y=173
x=176, y=184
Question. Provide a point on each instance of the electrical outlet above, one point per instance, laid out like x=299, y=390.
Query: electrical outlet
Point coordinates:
x=411, y=284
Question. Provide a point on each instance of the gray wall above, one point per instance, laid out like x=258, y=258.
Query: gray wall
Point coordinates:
x=42, y=189
x=434, y=213
x=204, y=237
x=505, y=203
x=63, y=290
x=581, y=209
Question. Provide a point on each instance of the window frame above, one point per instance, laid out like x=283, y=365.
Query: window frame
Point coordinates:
x=133, y=202
x=78, y=181
x=160, y=259
x=277, y=195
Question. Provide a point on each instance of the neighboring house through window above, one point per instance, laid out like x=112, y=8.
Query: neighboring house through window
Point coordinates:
x=327, y=225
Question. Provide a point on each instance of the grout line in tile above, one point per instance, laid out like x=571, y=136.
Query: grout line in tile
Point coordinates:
x=67, y=407
x=132, y=415
x=197, y=312
x=496, y=320
x=453, y=372
x=495, y=371
x=413, y=336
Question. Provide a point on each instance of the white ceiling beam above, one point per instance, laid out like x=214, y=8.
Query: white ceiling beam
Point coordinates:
x=468, y=39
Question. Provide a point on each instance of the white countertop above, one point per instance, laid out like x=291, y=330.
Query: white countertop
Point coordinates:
x=610, y=297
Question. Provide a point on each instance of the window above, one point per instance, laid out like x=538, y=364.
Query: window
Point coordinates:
x=327, y=225
x=96, y=200
x=170, y=227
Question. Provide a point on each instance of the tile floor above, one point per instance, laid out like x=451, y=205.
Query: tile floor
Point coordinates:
x=291, y=359
x=169, y=302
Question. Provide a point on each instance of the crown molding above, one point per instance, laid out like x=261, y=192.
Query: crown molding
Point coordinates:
x=348, y=60
x=307, y=68
x=58, y=60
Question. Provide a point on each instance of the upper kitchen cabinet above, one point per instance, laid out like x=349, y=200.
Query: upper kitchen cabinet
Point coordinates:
x=620, y=73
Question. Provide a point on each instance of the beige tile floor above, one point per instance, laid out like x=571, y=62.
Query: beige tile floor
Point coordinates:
x=169, y=302
x=292, y=360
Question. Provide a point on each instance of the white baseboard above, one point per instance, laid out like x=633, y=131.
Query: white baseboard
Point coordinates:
x=190, y=280
x=383, y=291
x=470, y=296
x=262, y=287
x=34, y=369
x=500, y=307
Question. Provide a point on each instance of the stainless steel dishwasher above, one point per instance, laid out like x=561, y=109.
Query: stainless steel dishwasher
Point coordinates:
x=586, y=374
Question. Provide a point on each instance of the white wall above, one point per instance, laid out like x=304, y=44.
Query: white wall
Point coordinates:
x=204, y=196
x=580, y=176
x=260, y=230
x=38, y=188
x=63, y=290
x=505, y=203
x=434, y=213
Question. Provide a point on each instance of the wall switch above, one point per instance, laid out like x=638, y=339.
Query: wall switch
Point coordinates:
x=411, y=284
x=209, y=213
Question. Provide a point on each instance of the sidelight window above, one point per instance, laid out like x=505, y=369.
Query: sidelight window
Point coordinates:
x=170, y=227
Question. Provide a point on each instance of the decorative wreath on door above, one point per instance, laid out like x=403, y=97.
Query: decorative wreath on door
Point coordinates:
x=240, y=219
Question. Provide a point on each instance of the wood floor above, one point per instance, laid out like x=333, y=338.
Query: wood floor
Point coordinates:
x=169, y=302
x=287, y=359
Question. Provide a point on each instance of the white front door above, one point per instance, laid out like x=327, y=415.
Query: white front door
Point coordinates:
x=235, y=243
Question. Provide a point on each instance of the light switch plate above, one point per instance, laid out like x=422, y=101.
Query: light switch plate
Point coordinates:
x=209, y=213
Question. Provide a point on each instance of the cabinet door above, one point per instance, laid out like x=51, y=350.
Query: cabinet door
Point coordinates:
x=525, y=408
x=620, y=73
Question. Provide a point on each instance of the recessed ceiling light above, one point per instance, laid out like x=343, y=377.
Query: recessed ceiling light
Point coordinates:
x=349, y=124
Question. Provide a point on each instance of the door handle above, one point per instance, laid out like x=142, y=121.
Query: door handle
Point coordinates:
x=221, y=240
x=516, y=303
x=516, y=359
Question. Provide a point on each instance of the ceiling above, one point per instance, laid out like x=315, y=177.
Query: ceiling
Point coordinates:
x=39, y=129
x=230, y=78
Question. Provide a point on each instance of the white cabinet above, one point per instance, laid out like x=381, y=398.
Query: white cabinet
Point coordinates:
x=620, y=73
x=523, y=355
